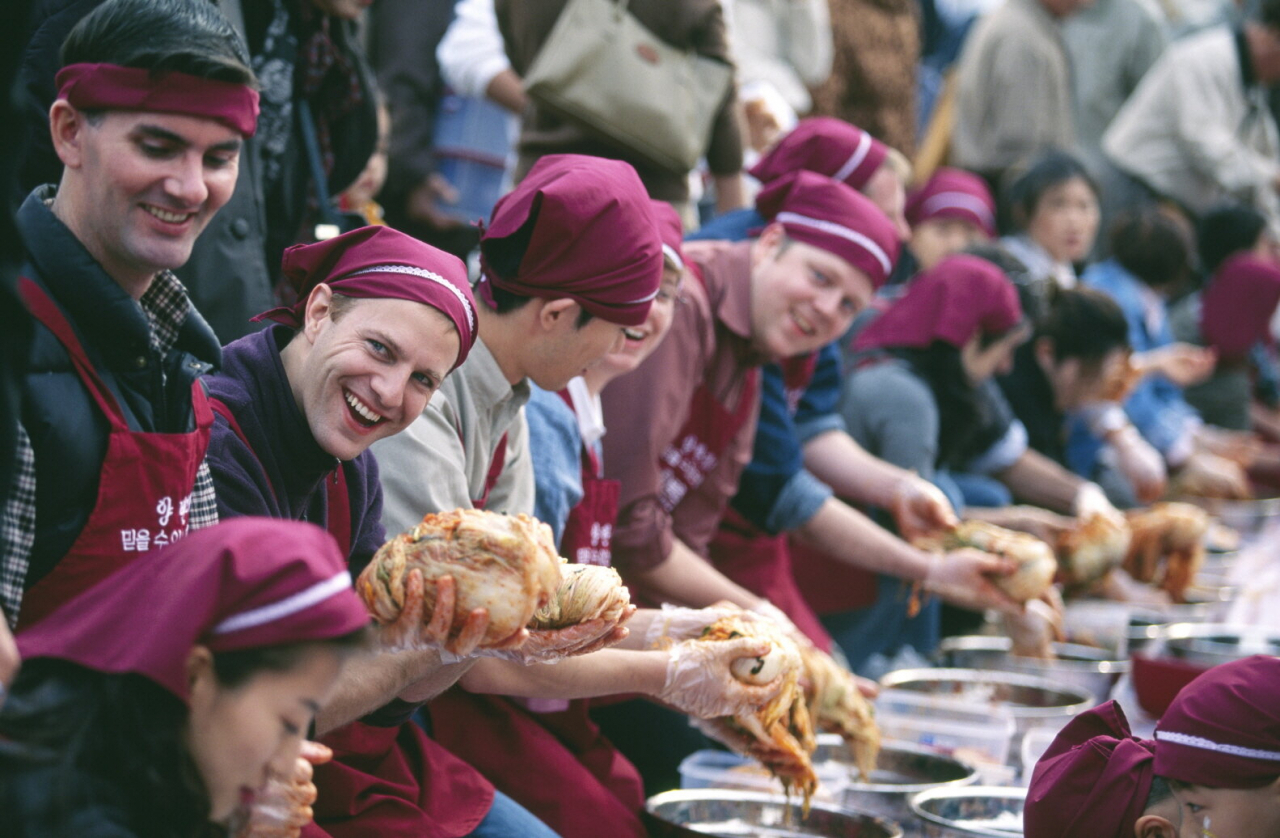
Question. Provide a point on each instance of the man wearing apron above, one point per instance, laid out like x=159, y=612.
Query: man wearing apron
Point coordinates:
x=543, y=267
x=114, y=422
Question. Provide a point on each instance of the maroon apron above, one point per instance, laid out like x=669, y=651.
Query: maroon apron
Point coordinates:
x=758, y=560
x=398, y=780
x=548, y=755
x=145, y=487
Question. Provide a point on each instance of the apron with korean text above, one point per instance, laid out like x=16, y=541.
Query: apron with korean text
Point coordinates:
x=145, y=487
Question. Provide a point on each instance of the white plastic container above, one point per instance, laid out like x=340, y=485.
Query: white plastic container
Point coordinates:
x=978, y=735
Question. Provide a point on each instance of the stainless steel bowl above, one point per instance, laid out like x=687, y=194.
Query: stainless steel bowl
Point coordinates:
x=1030, y=699
x=1085, y=667
x=988, y=811
x=1210, y=644
x=697, y=813
x=902, y=770
x=1248, y=517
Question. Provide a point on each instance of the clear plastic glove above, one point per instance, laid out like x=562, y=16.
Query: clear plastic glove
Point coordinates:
x=552, y=645
x=700, y=683
x=1043, y=524
x=1034, y=632
x=1141, y=464
x=962, y=577
x=920, y=508
x=675, y=623
x=1091, y=501
x=284, y=806
x=1240, y=447
x=1215, y=477
x=768, y=610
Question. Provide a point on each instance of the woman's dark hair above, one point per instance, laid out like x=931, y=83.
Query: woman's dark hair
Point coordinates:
x=503, y=257
x=1151, y=246
x=124, y=730
x=1053, y=169
x=1084, y=324
x=960, y=410
x=1225, y=231
x=187, y=36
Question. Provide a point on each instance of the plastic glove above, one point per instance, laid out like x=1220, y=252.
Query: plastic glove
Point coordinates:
x=552, y=645
x=1034, y=632
x=766, y=609
x=1091, y=501
x=1140, y=463
x=1043, y=524
x=1215, y=477
x=676, y=623
x=409, y=633
x=920, y=508
x=700, y=683
x=284, y=806
x=962, y=577
x=1240, y=447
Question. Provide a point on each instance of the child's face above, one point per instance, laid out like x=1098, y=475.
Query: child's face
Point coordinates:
x=1229, y=813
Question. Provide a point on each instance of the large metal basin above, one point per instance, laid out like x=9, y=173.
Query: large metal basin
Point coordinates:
x=1085, y=667
x=986, y=811
x=697, y=813
x=902, y=770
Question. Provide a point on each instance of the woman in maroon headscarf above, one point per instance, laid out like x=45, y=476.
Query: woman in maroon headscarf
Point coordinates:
x=161, y=702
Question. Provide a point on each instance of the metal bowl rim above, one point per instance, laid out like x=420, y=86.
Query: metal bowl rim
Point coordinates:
x=893, y=828
x=969, y=643
x=1084, y=700
x=1006, y=792
x=911, y=748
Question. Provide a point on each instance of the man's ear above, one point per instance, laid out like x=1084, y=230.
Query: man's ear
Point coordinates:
x=67, y=126
x=319, y=308
x=767, y=243
x=1154, y=826
x=553, y=313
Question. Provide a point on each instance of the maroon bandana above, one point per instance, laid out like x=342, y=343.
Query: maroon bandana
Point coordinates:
x=962, y=296
x=243, y=584
x=953, y=193
x=670, y=230
x=112, y=87
x=1223, y=729
x=825, y=145
x=1094, y=780
x=827, y=214
x=593, y=238
x=379, y=262
x=1236, y=307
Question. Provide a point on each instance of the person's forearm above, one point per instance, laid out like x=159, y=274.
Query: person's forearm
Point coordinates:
x=846, y=534
x=850, y=470
x=507, y=89
x=1038, y=480
x=685, y=578
x=606, y=672
x=370, y=681
x=730, y=193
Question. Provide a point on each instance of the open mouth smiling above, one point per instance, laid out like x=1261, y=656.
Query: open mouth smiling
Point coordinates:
x=361, y=412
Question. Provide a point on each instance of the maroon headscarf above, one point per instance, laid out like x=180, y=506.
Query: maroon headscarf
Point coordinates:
x=381, y=263
x=962, y=296
x=953, y=193
x=1094, y=780
x=593, y=238
x=1223, y=729
x=825, y=145
x=112, y=87
x=827, y=214
x=670, y=230
x=243, y=584
x=1236, y=307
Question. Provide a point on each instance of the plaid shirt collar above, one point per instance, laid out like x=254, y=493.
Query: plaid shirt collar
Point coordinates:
x=166, y=305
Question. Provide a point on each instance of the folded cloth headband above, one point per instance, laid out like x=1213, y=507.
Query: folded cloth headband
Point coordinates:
x=112, y=87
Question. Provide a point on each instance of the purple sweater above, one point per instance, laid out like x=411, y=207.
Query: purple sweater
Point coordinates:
x=253, y=384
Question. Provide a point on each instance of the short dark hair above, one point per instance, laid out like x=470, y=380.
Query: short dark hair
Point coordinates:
x=1226, y=230
x=1044, y=173
x=503, y=256
x=1084, y=324
x=237, y=667
x=1160, y=792
x=1151, y=246
x=186, y=36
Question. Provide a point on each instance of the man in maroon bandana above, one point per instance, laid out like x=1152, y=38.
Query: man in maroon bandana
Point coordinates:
x=155, y=101
x=1098, y=781
x=1219, y=746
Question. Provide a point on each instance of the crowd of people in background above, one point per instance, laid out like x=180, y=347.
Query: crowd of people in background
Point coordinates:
x=295, y=273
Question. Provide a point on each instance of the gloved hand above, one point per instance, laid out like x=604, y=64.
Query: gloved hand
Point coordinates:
x=1140, y=463
x=766, y=609
x=284, y=806
x=676, y=623
x=1215, y=477
x=962, y=577
x=920, y=508
x=700, y=683
x=553, y=645
x=1090, y=500
x=409, y=633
